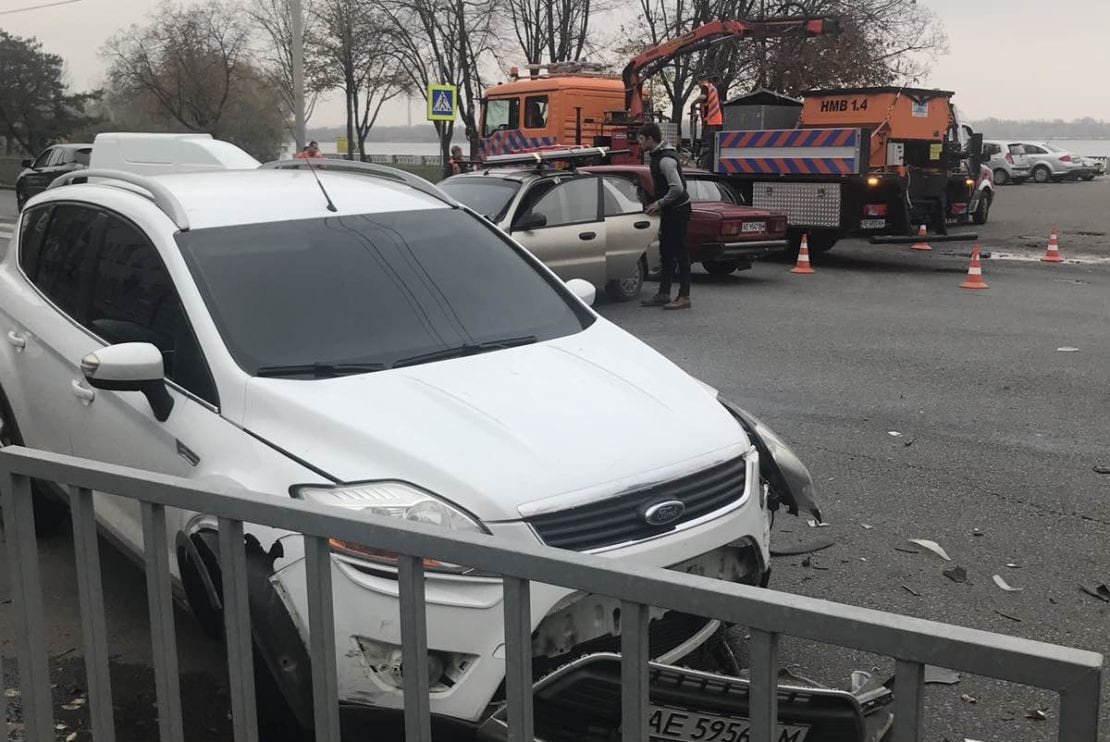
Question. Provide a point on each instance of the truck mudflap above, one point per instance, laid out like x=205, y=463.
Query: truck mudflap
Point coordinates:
x=582, y=702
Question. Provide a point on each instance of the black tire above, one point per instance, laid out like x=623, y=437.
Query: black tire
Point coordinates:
x=720, y=267
x=1087, y=178
x=50, y=510
x=983, y=212
x=1001, y=177
x=822, y=242
x=1042, y=174
x=627, y=289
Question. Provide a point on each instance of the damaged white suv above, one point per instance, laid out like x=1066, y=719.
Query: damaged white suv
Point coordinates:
x=367, y=343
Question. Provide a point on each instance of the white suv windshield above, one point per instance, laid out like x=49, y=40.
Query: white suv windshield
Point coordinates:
x=361, y=293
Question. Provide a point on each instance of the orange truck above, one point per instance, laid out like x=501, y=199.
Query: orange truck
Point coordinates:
x=875, y=162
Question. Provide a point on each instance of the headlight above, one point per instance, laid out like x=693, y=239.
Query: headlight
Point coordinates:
x=391, y=499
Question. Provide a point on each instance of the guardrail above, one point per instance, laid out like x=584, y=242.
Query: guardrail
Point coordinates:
x=1074, y=674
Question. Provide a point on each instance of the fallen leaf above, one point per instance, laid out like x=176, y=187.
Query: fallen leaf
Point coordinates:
x=911, y=591
x=866, y=527
x=1036, y=715
x=1007, y=615
x=1002, y=584
x=956, y=574
x=940, y=675
x=968, y=699
x=932, y=546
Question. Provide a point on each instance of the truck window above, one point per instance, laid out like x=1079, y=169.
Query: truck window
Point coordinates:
x=502, y=114
x=535, y=112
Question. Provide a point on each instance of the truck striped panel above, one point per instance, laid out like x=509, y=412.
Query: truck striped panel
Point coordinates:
x=789, y=152
x=514, y=140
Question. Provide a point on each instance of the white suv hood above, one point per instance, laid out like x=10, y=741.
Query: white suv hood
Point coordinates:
x=564, y=421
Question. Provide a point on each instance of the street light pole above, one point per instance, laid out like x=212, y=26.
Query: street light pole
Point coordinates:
x=296, y=28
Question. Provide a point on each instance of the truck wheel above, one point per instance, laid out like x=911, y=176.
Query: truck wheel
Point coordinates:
x=1042, y=174
x=50, y=510
x=720, y=267
x=984, y=211
x=1001, y=177
x=627, y=289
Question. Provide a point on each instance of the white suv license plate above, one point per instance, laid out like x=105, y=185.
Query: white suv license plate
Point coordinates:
x=695, y=726
x=754, y=227
x=872, y=223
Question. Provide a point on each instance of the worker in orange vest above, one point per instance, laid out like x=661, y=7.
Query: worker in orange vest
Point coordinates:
x=712, y=119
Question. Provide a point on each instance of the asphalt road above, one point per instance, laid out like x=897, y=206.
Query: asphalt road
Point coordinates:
x=999, y=436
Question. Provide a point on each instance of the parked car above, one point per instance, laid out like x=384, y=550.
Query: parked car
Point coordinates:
x=40, y=172
x=365, y=342
x=1007, y=161
x=1052, y=163
x=580, y=225
x=724, y=235
x=1095, y=166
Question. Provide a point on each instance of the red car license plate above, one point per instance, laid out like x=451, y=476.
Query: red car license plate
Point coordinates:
x=695, y=726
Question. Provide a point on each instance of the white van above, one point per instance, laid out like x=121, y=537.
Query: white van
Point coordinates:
x=160, y=154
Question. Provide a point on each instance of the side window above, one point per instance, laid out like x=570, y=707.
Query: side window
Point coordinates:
x=571, y=202
x=31, y=232
x=1031, y=149
x=620, y=195
x=68, y=245
x=501, y=114
x=82, y=156
x=42, y=160
x=535, y=112
x=134, y=300
x=704, y=191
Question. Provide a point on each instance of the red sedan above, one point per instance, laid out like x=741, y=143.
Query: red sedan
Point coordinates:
x=724, y=236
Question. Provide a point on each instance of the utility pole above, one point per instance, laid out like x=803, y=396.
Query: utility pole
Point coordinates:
x=296, y=28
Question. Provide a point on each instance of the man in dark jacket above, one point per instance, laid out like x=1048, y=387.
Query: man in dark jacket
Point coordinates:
x=672, y=203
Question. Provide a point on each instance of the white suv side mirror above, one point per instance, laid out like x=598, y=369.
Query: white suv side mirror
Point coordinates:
x=130, y=367
x=583, y=289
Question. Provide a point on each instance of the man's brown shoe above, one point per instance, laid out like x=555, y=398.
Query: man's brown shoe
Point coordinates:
x=659, y=300
x=681, y=302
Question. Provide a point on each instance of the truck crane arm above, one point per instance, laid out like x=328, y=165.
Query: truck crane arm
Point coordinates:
x=651, y=60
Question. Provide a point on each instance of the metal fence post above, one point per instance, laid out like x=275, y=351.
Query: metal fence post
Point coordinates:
x=414, y=649
x=518, y=659
x=90, y=596
x=321, y=639
x=634, y=671
x=237, y=631
x=26, y=594
x=909, y=700
x=764, y=689
x=163, y=636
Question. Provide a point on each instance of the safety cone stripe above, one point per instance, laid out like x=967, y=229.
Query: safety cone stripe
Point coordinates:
x=974, y=272
x=1052, y=254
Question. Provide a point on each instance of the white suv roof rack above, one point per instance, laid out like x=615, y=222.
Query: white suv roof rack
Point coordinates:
x=162, y=196
x=364, y=168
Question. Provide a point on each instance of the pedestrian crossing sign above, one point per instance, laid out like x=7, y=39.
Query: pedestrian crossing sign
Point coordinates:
x=443, y=102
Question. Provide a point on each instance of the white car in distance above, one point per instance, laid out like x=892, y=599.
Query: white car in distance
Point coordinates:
x=365, y=342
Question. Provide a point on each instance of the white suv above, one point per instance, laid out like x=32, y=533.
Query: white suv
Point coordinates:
x=368, y=343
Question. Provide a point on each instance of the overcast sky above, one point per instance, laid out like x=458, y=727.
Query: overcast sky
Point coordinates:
x=1008, y=58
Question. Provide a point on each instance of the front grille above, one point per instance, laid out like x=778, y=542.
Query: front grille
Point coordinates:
x=620, y=519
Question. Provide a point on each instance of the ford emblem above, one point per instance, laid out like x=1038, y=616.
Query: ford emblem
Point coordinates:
x=664, y=513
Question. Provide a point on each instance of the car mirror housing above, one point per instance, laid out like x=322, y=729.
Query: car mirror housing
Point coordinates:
x=130, y=367
x=583, y=289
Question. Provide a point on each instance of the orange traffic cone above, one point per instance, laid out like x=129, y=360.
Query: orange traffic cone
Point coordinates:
x=803, y=267
x=921, y=243
x=1052, y=254
x=974, y=273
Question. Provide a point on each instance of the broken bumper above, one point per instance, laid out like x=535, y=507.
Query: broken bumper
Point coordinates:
x=582, y=702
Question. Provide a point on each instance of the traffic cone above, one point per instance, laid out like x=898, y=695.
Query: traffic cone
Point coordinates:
x=803, y=267
x=1052, y=254
x=974, y=273
x=921, y=243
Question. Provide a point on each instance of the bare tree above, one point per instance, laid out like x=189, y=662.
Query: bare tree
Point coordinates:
x=552, y=30
x=446, y=42
x=351, y=49
x=186, y=58
x=274, y=53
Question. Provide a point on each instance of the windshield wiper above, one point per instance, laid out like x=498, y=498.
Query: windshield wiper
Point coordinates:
x=319, y=370
x=466, y=349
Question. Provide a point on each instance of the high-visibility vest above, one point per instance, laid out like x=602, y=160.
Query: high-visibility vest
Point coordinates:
x=711, y=108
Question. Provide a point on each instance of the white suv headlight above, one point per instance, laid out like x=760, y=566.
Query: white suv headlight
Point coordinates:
x=392, y=499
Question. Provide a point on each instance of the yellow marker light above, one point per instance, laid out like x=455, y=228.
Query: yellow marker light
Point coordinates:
x=872, y=181
x=969, y=182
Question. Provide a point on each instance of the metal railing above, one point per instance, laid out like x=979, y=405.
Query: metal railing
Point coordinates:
x=1074, y=674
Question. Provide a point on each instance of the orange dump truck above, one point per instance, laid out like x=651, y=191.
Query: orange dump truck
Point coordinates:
x=875, y=162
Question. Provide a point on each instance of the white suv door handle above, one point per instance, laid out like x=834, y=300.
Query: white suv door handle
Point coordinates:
x=17, y=340
x=82, y=392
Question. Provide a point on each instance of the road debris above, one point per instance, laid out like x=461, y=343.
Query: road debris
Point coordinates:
x=932, y=546
x=1036, y=714
x=816, y=524
x=940, y=675
x=1015, y=619
x=976, y=532
x=71, y=737
x=1101, y=592
x=1067, y=349
x=1003, y=584
x=894, y=434
x=1100, y=469
x=807, y=548
x=865, y=527
x=956, y=574
x=1013, y=565
x=911, y=591
x=968, y=699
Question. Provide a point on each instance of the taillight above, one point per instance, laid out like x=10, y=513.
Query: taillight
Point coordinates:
x=1065, y=158
x=731, y=229
x=1009, y=158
